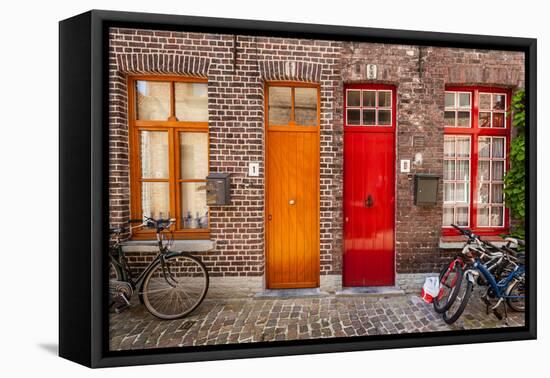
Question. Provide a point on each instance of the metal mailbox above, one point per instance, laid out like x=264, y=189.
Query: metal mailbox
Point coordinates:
x=217, y=189
x=425, y=189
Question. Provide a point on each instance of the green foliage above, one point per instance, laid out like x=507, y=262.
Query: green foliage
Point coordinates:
x=514, y=179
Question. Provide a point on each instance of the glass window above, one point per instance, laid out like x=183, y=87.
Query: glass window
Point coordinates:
x=152, y=100
x=458, y=107
x=483, y=182
x=280, y=105
x=191, y=102
x=193, y=155
x=456, y=180
x=305, y=106
x=172, y=152
x=369, y=107
x=154, y=154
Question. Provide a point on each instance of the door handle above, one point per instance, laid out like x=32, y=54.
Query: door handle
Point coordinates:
x=369, y=201
x=291, y=202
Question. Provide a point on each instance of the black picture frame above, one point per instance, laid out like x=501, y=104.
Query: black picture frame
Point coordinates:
x=83, y=196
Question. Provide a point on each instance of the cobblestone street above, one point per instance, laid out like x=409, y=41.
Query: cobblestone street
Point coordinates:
x=247, y=320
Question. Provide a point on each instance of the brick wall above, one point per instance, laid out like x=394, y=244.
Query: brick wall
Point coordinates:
x=236, y=98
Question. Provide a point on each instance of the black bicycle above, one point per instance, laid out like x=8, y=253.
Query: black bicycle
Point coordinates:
x=171, y=286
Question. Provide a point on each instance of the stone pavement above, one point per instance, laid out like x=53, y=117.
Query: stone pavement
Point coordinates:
x=246, y=320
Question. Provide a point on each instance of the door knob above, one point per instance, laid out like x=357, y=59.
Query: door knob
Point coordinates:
x=291, y=202
x=369, y=201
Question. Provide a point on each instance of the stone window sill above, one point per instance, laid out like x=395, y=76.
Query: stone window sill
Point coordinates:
x=458, y=242
x=178, y=245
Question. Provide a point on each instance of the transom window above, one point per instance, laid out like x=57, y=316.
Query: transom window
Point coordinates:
x=369, y=107
x=475, y=159
x=168, y=119
x=292, y=105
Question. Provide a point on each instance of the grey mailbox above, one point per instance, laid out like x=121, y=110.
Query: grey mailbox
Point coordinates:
x=425, y=189
x=217, y=189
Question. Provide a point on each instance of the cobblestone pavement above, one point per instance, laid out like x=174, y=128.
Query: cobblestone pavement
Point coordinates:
x=251, y=320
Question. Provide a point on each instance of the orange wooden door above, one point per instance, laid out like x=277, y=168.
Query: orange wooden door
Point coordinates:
x=292, y=207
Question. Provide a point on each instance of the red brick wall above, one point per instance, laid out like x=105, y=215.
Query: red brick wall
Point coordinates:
x=235, y=94
x=235, y=90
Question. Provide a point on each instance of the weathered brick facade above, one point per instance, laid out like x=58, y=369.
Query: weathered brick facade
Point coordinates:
x=237, y=68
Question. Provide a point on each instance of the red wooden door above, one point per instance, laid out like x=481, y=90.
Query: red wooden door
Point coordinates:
x=369, y=169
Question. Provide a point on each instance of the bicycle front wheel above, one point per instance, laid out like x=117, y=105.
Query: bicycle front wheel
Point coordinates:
x=174, y=289
x=459, y=304
x=450, y=279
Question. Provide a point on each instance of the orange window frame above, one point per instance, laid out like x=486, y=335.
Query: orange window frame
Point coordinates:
x=475, y=132
x=173, y=127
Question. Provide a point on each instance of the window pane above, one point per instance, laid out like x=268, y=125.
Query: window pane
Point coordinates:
x=354, y=117
x=498, y=171
x=483, y=194
x=483, y=170
x=154, y=154
x=484, y=119
x=448, y=216
x=369, y=117
x=464, y=119
x=449, y=99
x=449, y=147
x=497, y=216
x=448, y=192
x=191, y=102
x=305, y=106
x=462, y=147
x=485, y=101
x=384, y=99
x=152, y=100
x=499, y=102
x=279, y=105
x=483, y=216
x=498, y=148
x=155, y=200
x=194, y=212
x=384, y=117
x=193, y=155
x=369, y=98
x=462, y=216
x=461, y=193
x=498, y=119
x=450, y=118
x=484, y=147
x=497, y=193
x=464, y=100
x=448, y=170
x=354, y=98
x=463, y=170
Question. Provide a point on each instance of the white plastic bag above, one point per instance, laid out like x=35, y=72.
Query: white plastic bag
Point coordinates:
x=430, y=289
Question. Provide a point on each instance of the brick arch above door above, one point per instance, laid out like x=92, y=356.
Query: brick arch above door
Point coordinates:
x=163, y=64
x=289, y=70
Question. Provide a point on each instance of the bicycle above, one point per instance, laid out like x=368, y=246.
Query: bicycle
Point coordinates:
x=450, y=277
x=171, y=286
x=507, y=284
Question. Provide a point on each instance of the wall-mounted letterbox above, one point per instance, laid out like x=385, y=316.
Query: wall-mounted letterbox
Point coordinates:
x=425, y=189
x=217, y=189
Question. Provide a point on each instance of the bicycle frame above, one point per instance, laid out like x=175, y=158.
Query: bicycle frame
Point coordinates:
x=501, y=286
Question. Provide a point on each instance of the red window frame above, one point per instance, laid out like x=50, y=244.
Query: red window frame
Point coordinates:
x=474, y=131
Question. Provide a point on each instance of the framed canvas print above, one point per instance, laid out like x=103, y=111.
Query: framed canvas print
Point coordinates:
x=234, y=188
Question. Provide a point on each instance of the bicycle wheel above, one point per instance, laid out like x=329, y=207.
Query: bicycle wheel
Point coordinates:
x=177, y=289
x=517, y=289
x=450, y=280
x=114, y=272
x=459, y=304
